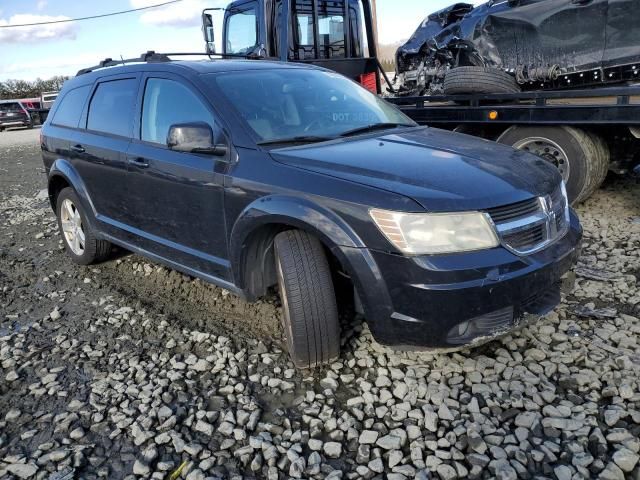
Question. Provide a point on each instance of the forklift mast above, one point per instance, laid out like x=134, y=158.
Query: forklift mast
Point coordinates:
x=326, y=33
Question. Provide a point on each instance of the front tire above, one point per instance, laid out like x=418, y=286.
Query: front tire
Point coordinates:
x=309, y=310
x=482, y=80
x=79, y=239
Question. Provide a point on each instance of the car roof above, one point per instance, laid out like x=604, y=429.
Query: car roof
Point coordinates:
x=193, y=67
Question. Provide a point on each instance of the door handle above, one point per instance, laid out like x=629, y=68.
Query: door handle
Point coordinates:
x=581, y=2
x=139, y=162
x=78, y=149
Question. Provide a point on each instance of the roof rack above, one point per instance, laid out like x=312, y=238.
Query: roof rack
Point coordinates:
x=154, y=57
x=147, y=57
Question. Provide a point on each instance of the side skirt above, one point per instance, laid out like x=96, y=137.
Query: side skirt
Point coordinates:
x=176, y=266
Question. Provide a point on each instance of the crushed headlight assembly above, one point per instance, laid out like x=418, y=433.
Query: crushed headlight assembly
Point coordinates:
x=435, y=233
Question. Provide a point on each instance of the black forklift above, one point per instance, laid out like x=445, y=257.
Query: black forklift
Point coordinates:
x=327, y=33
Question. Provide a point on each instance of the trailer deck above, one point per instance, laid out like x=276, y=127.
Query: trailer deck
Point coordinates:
x=610, y=106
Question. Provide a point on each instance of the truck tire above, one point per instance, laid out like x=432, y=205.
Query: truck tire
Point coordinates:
x=309, y=310
x=79, y=239
x=581, y=157
x=486, y=80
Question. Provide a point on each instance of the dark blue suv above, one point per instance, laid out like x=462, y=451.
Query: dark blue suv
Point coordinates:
x=253, y=174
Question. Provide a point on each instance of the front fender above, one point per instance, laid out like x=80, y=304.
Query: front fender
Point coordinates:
x=62, y=168
x=343, y=242
x=293, y=212
x=296, y=212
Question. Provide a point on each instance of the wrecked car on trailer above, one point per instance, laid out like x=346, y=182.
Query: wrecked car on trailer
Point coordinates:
x=539, y=43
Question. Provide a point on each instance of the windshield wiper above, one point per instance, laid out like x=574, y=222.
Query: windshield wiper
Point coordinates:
x=373, y=127
x=301, y=139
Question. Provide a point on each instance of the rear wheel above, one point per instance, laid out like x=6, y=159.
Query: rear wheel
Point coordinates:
x=309, y=310
x=78, y=237
x=582, y=158
x=486, y=80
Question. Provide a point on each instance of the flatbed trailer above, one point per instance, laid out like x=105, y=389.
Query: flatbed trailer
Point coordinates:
x=585, y=133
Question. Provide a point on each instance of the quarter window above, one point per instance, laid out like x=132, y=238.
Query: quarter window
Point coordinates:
x=111, y=108
x=70, y=109
x=242, y=35
x=166, y=103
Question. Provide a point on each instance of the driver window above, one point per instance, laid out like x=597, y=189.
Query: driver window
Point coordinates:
x=166, y=103
x=242, y=35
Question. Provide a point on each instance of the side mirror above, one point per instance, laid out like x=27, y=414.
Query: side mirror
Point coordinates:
x=208, y=32
x=194, y=137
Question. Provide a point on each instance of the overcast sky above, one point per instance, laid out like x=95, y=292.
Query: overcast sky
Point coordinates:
x=62, y=49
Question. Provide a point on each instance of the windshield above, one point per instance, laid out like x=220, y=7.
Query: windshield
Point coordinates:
x=289, y=103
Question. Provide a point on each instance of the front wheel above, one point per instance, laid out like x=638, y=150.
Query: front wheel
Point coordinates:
x=79, y=239
x=309, y=310
x=480, y=80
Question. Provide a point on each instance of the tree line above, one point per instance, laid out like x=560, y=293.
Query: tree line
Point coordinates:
x=30, y=89
x=388, y=65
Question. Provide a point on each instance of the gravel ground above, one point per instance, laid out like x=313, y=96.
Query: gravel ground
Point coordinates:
x=129, y=370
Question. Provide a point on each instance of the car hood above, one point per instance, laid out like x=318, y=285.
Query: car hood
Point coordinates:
x=440, y=170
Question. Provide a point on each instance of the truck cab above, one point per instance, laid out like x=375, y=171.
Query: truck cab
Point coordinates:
x=326, y=33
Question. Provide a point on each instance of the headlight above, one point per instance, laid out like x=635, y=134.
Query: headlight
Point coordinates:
x=433, y=233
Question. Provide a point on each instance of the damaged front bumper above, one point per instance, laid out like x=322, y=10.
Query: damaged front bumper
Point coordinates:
x=453, y=301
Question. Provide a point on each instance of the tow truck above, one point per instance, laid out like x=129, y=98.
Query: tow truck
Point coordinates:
x=579, y=131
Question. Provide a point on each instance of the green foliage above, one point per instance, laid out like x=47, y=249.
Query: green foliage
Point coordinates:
x=29, y=89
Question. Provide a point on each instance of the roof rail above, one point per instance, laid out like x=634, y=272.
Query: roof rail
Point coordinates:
x=154, y=57
x=147, y=57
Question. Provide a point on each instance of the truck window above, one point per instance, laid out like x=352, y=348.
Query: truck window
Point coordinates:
x=166, y=103
x=70, y=108
x=242, y=34
x=111, y=108
x=330, y=30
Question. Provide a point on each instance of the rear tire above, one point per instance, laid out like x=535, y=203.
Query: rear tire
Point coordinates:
x=87, y=250
x=583, y=158
x=309, y=310
x=484, y=80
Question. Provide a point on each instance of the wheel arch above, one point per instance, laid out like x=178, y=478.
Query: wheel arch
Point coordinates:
x=61, y=175
x=252, y=236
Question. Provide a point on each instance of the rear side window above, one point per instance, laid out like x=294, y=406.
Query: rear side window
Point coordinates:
x=111, y=108
x=166, y=103
x=70, y=108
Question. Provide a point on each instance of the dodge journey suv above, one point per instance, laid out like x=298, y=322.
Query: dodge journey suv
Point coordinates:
x=252, y=175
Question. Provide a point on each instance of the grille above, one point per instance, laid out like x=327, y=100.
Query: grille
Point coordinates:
x=526, y=239
x=516, y=210
x=530, y=225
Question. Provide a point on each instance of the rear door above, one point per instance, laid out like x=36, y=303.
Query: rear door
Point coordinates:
x=623, y=34
x=99, y=151
x=568, y=33
x=176, y=199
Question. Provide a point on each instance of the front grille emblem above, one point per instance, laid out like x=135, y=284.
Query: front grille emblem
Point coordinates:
x=529, y=226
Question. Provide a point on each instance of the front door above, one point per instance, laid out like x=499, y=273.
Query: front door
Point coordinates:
x=543, y=33
x=176, y=199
